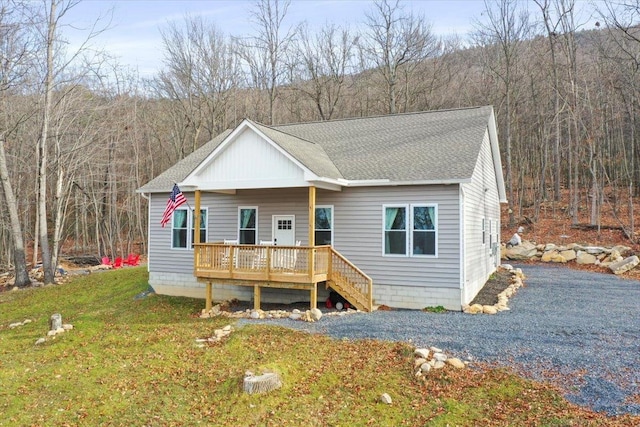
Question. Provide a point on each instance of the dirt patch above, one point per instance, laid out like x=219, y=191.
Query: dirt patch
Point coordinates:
x=498, y=282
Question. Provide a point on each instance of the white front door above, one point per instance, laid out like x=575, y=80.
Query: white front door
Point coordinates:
x=284, y=230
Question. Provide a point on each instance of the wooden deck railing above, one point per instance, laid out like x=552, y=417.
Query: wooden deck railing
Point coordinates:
x=350, y=282
x=296, y=264
x=290, y=265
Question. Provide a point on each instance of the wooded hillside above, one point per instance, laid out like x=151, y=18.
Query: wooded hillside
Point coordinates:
x=79, y=133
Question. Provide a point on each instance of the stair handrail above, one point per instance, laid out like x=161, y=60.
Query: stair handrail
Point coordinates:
x=359, y=272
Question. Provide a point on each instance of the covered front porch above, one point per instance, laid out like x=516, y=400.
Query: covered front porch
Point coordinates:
x=273, y=265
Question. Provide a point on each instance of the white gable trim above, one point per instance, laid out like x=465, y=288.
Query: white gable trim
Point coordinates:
x=495, y=153
x=193, y=181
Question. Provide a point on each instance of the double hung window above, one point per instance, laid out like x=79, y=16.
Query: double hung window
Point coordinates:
x=182, y=233
x=324, y=225
x=410, y=230
x=247, y=225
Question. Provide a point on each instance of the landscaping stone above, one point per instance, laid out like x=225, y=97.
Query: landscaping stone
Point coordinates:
x=585, y=258
x=316, y=314
x=624, y=265
x=440, y=357
x=568, y=255
x=456, y=363
x=385, y=398
x=595, y=250
x=422, y=353
x=523, y=251
x=419, y=361
x=621, y=249
x=489, y=309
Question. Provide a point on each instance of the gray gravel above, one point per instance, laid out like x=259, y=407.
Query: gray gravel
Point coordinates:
x=577, y=329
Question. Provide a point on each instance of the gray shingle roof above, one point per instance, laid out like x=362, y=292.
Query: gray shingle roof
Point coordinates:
x=430, y=146
x=435, y=146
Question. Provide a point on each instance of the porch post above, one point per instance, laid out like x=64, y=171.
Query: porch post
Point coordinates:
x=196, y=225
x=312, y=216
x=314, y=296
x=256, y=297
x=196, y=256
x=312, y=229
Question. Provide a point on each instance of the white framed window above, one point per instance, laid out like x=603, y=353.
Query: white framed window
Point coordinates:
x=410, y=230
x=424, y=230
x=484, y=231
x=324, y=225
x=493, y=238
x=394, y=230
x=182, y=236
x=247, y=225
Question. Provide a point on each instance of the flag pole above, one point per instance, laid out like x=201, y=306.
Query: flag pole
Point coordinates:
x=185, y=197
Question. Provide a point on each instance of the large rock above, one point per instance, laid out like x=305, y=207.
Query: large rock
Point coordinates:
x=553, y=256
x=316, y=314
x=595, y=250
x=585, y=258
x=568, y=255
x=547, y=256
x=456, y=363
x=621, y=249
x=525, y=250
x=624, y=265
x=422, y=353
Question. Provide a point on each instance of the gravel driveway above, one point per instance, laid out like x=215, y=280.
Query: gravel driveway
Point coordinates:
x=578, y=329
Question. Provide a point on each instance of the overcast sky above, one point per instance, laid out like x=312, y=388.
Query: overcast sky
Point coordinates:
x=134, y=35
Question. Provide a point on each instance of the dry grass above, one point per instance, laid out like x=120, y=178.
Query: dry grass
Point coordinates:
x=135, y=362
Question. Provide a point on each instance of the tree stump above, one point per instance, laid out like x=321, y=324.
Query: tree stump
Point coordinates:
x=55, y=322
x=261, y=383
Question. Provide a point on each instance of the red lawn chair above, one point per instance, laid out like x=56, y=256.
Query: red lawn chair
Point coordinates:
x=117, y=263
x=106, y=260
x=132, y=259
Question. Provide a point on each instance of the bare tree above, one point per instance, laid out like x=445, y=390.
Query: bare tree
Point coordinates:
x=200, y=74
x=396, y=39
x=324, y=61
x=265, y=53
x=501, y=36
x=59, y=78
x=15, y=54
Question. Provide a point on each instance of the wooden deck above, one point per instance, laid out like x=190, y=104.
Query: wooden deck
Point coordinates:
x=290, y=267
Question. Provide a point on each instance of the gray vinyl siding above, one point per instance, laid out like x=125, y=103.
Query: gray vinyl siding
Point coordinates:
x=357, y=234
x=480, y=201
x=223, y=222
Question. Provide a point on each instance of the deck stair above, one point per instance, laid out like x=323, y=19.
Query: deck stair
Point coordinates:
x=290, y=267
x=350, y=282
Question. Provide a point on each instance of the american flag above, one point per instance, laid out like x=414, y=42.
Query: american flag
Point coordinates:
x=175, y=199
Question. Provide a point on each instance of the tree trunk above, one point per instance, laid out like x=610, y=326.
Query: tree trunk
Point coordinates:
x=47, y=267
x=19, y=258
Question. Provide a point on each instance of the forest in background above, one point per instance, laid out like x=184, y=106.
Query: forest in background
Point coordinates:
x=79, y=133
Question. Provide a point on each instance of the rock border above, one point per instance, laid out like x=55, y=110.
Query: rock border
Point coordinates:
x=218, y=336
x=312, y=315
x=611, y=257
x=433, y=358
x=517, y=281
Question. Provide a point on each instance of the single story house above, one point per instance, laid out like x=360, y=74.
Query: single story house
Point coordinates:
x=401, y=210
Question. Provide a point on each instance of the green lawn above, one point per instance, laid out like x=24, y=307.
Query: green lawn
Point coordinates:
x=135, y=362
